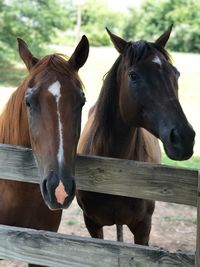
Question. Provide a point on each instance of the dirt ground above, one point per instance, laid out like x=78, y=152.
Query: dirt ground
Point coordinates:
x=174, y=228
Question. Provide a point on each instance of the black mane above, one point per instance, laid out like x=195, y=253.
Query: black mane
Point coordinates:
x=139, y=50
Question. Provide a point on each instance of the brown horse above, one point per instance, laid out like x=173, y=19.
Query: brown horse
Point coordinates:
x=44, y=113
x=138, y=103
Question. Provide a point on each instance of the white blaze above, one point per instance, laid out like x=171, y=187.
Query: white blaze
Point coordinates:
x=54, y=89
x=157, y=60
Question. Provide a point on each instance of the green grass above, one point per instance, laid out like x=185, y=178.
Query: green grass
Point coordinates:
x=193, y=163
x=72, y=222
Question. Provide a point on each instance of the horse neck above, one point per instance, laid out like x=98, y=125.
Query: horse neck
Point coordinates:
x=126, y=140
x=111, y=135
x=14, y=121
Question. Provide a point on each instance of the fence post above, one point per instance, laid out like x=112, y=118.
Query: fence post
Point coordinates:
x=197, y=254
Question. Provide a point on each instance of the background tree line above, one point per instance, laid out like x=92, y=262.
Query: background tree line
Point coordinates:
x=43, y=22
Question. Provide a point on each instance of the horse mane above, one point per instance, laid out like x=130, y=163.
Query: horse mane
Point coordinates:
x=13, y=120
x=108, y=96
x=104, y=110
x=139, y=50
x=106, y=105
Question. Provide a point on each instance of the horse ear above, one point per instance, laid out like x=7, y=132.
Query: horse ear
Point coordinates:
x=26, y=55
x=162, y=40
x=80, y=55
x=118, y=42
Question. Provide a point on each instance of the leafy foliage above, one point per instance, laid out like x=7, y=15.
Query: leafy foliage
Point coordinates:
x=35, y=21
x=156, y=16
x=39, y=22
x=96, y=15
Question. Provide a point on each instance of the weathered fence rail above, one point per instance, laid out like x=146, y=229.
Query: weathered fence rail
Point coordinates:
x=56, y=250
x=111, y=176
x=104, y=175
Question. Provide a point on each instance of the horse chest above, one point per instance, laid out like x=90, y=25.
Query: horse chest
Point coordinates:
x=17, y=201
x=109, y=209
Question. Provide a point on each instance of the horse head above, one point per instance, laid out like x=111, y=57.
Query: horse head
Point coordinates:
x=148, y=93
x=54, y=98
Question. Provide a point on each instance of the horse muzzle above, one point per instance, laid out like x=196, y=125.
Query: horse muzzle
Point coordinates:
x=179, y=143
x=58, y=193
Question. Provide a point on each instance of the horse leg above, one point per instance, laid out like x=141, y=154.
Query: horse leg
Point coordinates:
x=94, y=229
x=119, y=229
x=141, y=230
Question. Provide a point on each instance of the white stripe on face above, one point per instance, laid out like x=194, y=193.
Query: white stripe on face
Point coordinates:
x=157, y=60
x=54, y=89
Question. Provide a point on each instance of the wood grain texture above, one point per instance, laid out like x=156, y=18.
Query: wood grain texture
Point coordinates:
x=18, y=163
x=137, y=179
x=111, y=176
x=58, y=250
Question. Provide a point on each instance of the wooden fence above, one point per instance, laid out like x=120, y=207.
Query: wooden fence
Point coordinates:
x=104, y=175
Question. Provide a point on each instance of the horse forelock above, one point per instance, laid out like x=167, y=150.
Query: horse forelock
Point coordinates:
x=140, y=50
x=57, y=63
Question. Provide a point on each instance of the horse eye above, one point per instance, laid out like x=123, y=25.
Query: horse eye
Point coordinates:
x=133, y=76
x=27, y=102
x=27, y=97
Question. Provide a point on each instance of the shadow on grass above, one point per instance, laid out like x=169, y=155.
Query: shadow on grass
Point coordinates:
x=11, y=75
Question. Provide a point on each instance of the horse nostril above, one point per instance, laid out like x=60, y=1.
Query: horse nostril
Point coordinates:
x=46, y=191
x=174, y=137
x=44, y=187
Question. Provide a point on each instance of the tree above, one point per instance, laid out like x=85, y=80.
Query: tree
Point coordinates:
x=156, y=16
x=35, y=21
x=96, y=15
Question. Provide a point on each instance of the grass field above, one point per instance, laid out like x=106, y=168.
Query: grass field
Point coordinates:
x=99, y=62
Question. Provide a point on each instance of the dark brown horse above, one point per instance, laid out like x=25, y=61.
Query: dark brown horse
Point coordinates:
x=137, y=104
x=44, y=113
